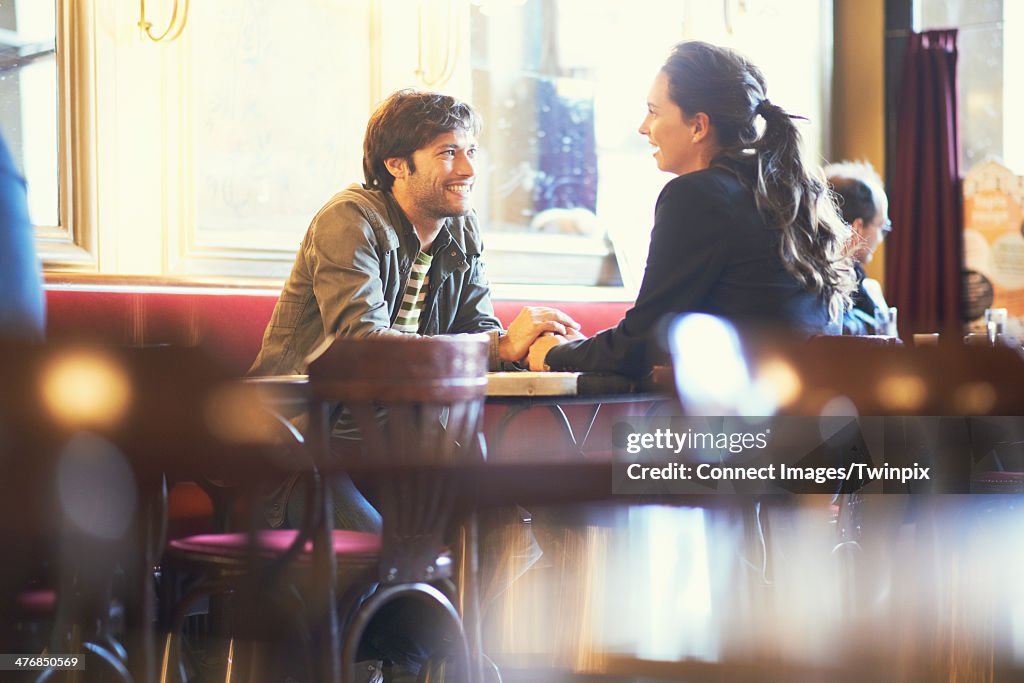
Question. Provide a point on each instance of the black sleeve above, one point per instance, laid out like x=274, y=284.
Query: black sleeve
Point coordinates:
x=684, y=261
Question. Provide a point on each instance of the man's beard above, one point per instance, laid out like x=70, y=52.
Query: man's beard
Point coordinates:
x=437, y=205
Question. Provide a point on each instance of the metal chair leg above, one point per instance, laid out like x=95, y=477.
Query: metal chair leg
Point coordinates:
x=388, y=594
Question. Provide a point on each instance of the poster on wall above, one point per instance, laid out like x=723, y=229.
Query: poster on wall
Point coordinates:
x=994, y=245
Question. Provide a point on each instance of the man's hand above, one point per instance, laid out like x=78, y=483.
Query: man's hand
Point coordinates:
x=532, y=322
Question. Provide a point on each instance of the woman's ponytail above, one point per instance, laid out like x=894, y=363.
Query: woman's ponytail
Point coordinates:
x=797, y=203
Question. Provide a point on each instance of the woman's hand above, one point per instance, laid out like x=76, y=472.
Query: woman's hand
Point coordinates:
x=532, y=322
x=544, y=343
x=539, y=350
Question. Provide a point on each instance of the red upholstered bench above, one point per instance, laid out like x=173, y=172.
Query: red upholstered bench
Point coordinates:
x=228, y=321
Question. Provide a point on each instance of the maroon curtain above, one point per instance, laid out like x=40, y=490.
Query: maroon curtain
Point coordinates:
x=924, y=254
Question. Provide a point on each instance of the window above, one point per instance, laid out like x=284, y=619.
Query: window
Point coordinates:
x=990, y=41
x=274, y=128
x=28, y=100
x=569, y=186
x=209, y=155
x=46, y=106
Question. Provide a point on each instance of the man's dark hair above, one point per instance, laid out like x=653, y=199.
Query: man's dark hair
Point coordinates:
x=852, y=182
x=405, y=122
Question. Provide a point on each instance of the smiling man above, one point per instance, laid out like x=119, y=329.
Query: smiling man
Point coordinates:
x=400, y=254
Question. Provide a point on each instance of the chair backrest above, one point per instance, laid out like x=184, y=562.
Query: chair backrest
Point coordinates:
x=870, y=375
x=415, y=406
x=162, y=410
x=945, y=380
x=854, y=341
x=420, y=382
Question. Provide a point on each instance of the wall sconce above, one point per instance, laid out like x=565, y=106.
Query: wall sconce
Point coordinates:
x=174, y=27
x=451, y=55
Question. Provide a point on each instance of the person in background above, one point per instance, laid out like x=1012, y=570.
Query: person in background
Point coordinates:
x=865, y=207
x=22, y=306
x=744, y=231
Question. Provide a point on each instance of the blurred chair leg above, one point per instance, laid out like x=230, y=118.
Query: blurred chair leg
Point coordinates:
x=386, y=595
x=469, y=596
x=97, y=658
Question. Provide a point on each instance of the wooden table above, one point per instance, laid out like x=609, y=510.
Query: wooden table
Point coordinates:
x=523, y=392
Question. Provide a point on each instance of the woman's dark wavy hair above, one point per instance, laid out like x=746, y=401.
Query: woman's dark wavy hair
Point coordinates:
x=405, y=122
x=732, y=92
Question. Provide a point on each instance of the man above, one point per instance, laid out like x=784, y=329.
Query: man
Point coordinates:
x=865, y=207
x=399, y=255
x=408, y=235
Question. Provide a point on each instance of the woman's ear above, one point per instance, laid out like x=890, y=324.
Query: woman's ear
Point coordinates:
x=701, y=126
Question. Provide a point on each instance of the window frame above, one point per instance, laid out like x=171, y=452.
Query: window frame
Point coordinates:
x=91, y=42
x=73, y=244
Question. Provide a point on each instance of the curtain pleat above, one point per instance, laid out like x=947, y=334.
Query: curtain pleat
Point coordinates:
x=924, y=258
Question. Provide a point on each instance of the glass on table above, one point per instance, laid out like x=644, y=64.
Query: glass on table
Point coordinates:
x=997, y=317
x=886, y=321
x=995, y=323
x=978, y=339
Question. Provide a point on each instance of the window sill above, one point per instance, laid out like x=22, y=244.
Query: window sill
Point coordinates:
x=267, y=287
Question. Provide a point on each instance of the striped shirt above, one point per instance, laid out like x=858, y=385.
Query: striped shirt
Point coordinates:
x=408, y=319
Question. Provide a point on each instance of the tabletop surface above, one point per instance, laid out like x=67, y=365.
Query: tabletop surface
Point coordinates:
x=502, y=386
x=532, y=383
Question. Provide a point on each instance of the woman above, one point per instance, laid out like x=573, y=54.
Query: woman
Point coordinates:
x=743, y=232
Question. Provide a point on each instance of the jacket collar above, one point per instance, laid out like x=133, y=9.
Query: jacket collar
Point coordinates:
x=446, y=248
x=451, y=253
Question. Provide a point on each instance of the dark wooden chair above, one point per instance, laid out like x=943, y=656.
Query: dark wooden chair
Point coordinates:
x=92, y=434
x=416, y=406
x=950, y=379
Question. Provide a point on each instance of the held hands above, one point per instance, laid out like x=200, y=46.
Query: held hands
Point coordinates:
x=546, y=342
x=531, y=323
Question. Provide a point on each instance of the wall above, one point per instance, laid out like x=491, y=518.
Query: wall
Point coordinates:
x=858, y=91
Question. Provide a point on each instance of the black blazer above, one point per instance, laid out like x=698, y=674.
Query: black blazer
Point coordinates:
x=711, y=252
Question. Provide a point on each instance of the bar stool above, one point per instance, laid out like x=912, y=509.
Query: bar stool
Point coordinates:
x=258, y=582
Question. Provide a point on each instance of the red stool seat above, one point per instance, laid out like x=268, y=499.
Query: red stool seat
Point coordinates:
x=37, y=603
x=274, y=542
